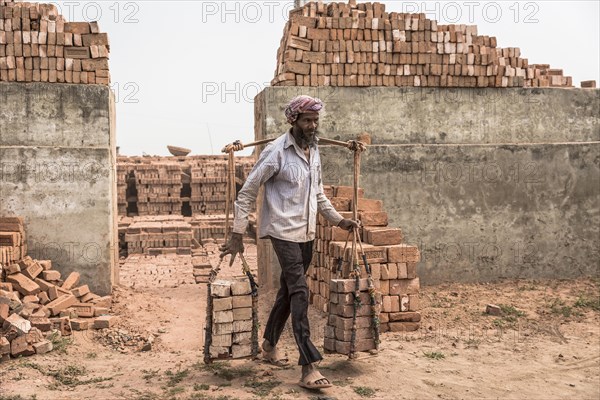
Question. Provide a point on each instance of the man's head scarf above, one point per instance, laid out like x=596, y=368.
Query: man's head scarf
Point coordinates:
x=300, y=105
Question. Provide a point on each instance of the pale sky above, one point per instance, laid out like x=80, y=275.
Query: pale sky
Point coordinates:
x=185, y=72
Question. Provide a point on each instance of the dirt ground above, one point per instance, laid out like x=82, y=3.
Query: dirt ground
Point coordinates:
x=546, y=345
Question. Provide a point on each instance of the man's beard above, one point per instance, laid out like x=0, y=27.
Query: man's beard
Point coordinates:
x=307, y=141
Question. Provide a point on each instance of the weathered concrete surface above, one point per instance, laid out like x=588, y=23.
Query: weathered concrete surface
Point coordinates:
x=520, y=200
x=57, y=170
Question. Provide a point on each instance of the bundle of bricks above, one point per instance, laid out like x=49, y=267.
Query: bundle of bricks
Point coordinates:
x=393, y=263
x=38, y=45
x=338, y=44
x=159, y=235
x=233, y=332
x=36, y=303
x=338, y=331
x=13, y=246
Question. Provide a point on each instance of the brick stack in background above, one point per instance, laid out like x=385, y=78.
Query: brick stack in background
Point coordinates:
x=38, y=45
x=338, y=44
x=231, y=319
x=338, y=331
x=13, y=245
x=159, y=235
x=158, y=189
x=209, y=187
x=201, y=265
x=201, y=183
x=393, y=263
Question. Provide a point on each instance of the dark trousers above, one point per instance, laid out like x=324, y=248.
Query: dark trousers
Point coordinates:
x=292, y=297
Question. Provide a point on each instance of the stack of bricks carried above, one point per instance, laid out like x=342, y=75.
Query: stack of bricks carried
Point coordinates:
x=13, y=246
x=339, y=44
x=232, y=319
x=37, y=44
x=393, y=263
x=338, y=331
x=37, y=302
x=159, y=235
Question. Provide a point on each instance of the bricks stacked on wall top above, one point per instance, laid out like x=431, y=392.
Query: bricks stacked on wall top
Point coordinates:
x=393, y=263
x=159, y=235
x=13, y=245
x=36, y=302
x=338, y=44
x=38, y=45
x=232, y=319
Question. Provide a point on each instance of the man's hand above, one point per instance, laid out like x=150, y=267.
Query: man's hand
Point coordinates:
x=234, y=246
x=349, y=224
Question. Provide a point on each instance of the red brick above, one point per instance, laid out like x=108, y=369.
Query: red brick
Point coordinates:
x=105, y=321
x=83, y=310
x=382, y=236
x=340, y=203
x=43, y=347
x=370, y=205
x=23, y=284
x=62, y=324
x=21, y=347
x=71, y=281
x=81, y=324
x=411, y=270
x=348, y=192
x=32, y=270
x=61, y=303
x=414, y=304
x=405, y=317
x=4, y=310
x=51, y=275
x=404, y=326
x=46, y=264
x=403, y=253
x=373, y=218
x=360, y=345
x=80, y=291
x=404, y=286
x=41, y=323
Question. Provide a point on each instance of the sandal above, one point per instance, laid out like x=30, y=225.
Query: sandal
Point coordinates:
x=274, y=358
x=310, y=381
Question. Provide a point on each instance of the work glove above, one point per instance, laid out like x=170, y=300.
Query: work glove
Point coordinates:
x=234, y=246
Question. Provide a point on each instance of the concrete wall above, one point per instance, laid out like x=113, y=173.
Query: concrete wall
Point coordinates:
x=489, y=183
x=57, y=170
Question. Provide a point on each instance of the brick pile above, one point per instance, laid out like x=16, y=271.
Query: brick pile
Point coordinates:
x=232, y=319
x=338, y=44
x=37, y=44
x=393, y=263
x=172, y=185
x=13, y=246
x=158, y=189
x=159, y=235
x=37, y=302
x=201, y=265
x=338, y=331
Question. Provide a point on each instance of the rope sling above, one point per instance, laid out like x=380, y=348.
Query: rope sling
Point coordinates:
x=356, y=273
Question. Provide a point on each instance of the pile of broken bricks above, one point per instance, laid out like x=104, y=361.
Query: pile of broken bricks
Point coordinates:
x=35, y=303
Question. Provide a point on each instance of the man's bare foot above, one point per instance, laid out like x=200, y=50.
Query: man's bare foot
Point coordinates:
x=312, y=378
x=271, y=355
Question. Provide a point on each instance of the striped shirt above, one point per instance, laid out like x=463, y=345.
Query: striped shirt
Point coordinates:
x=293, y=193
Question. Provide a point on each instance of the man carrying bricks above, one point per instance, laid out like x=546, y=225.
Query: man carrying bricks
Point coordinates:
x=290, y=170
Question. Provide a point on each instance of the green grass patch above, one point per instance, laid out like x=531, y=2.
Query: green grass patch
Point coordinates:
x=201, y=386
x=261, y=388
x=586, y=301
x=225, y=371
x=364, y=391
x=434, y=355
x=176, y=377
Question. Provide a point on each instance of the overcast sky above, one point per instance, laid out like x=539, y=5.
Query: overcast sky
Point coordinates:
x=185, y=72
